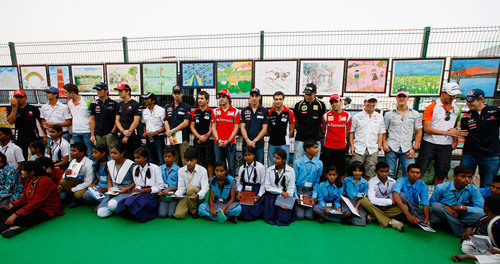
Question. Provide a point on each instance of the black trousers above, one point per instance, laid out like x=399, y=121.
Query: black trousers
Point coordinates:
x=133, y=143
x=440, y=154
x=24, y=144
x=34, y=218
x=335, y=157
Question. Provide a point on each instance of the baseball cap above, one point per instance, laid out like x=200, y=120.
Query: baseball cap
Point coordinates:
x=334, y=97
x=101, y=86
x=123, y=86
x=474, y=94
x=348, y=99
x=255, y=91
x=19, y=93
x=52, y=89
x=176, y=89
x=310, y=88
x=403, y=91
x=370, y=96
x=451, y=88
x=224, y=92
x=149, y=96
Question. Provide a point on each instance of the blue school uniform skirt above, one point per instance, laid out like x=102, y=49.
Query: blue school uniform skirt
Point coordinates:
x=249, y=212
x=142, y=207
x=273, y=214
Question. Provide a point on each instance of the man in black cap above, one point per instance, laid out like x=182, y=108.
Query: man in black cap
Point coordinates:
x=308, y=113
x=482, y=146
x=152, y=118
x=347, y=103
x=127, y=120
x=177, y=117
x=102, y=110
x=254, y=122
x=24, y=116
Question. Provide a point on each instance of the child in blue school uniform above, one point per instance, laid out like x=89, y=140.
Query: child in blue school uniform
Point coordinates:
x=169, y=170
x=222, y=195
x=280, y=180
x=251, y=178
x=142, y=203
x=120, y=181
x=100, y=166
x=329, y=194
x=356, y=188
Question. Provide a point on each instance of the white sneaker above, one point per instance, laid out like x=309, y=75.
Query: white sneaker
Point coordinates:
x=397, y=225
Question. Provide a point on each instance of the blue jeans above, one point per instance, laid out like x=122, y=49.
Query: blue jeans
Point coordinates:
x=85, y=138
x=488, y=167
x=298, y=149
x=155, y=149
x=227, y=153
x=272, y=149
x=457, y=225
x=392, y=158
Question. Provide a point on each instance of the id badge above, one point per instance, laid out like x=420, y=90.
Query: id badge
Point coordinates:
x=221, y=200
x=329, y=205
x=248, y=188
x=361, y=195
x=308, y=184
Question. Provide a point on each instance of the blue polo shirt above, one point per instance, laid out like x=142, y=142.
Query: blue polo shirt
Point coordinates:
x=330, y=193
x=353, y=189
x=176, y=115
x=169, y=176
x=254, y=121
x=417, y=193
x=307, y=172
x=445, y=193
x=485, y=192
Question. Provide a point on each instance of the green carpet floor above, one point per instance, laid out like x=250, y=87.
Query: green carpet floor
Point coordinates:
x=81, y=237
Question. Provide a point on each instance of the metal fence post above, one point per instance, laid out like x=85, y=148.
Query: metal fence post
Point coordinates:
x=262, y=44
x=423, y=54
x=125, y=49
x=13, y=57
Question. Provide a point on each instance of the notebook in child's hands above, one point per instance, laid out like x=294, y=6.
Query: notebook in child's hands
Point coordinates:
x=306, y=200
x=96, y=194
x=167, y=197
x=288, y=203
x=481, y=243
x=221, y=218
x=333, y=211
x=75, y=169
x=113, y=191
x=247, y=198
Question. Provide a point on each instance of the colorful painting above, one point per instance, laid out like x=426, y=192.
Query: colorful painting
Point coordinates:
x=58, y=77
x=87, y=76
x=9, y=78
x=475, y=73
x=198, y=74
x=328, y=75
x=3, y=118
x=159, y=78
x=235, y=76
x=420, y=77
x=366, y=76
x=124, y=73
x=273, y=76
x=34, y=77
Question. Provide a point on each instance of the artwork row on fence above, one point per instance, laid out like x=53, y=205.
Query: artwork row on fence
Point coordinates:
x=422, y=77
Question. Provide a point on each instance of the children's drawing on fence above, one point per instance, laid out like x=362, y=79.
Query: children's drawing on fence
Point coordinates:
x=366, y=76
x=198, y=75
x=34, y=77
x=273, y=76
x=159, y=77
x=327, y=75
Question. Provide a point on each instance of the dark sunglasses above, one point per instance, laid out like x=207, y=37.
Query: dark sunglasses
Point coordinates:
x=447, y=116
x=18, y=96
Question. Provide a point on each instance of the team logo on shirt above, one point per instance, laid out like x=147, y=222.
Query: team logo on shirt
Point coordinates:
x=343, y=118
x=330, y=118
x=315, y=107
x=218, y=112
x=129, y=107
x=304, y=108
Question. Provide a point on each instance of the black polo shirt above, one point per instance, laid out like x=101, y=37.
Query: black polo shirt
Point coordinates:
x=26, y=122
x=127, y=112
x=279, y=126
x=104, y=114
x=254, y=122
x=176, y=115
x=201, y=119
x=308, y=117
x=482, y=139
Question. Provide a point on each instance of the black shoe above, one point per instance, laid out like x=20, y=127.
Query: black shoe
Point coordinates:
x=321, y=220
x=196, y=215
x=233, y=219
x=13, y=231
x=74, y=203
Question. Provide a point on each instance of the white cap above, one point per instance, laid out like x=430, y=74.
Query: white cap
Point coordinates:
x=451, y=88
x=370, y=96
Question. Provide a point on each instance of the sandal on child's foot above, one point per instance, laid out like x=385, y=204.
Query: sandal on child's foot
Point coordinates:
x=13, y=231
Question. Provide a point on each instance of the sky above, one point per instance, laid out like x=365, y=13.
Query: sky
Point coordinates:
x=34, y=20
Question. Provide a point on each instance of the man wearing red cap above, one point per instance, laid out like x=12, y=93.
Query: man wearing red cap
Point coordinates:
x=127, y=120
x=225, y=121
x=24, y=116
x=335, y=124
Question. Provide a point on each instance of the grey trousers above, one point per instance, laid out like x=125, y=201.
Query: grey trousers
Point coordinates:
x=167, y=209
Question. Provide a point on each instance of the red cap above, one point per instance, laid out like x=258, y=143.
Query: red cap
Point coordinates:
x=335, y=97
x=19, y=92
x=225, y=92
x=123, y=86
